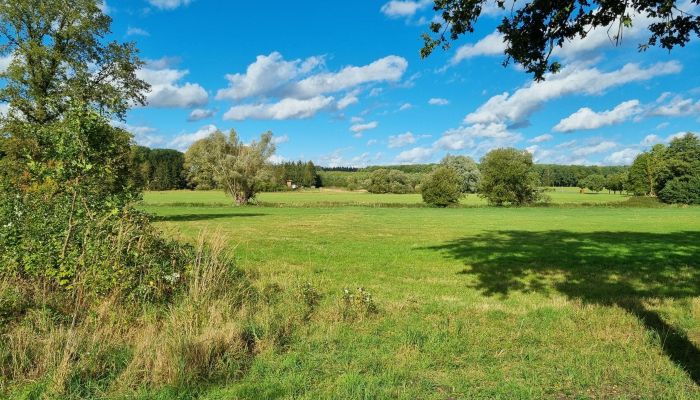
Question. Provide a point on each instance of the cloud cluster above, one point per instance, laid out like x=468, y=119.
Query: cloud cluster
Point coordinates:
x=169, y=4
x=358, y=129
x=199, y=114
x=166, y=89
x=475, y=140
x=143, y=135
x=404, y=8
x=677, y=106
x=183, y=141
x=491, y=45
x=586, y=119
x=402, y=140
x=282, y=89
x=576, y=50
x=133, y=31
x=437, y=101
x=515, y=109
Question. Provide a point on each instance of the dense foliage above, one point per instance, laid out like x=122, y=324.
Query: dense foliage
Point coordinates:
x=533, y=30
x=301, y=174
x=594, y=183
x=616, y=182
x=59, y=58
x=66, y=180
x=241, y=170
x=442, y=187
x=670, y=172
x=385, y=180
x=467, y=170
x=507, y=177
x=570, y=175
x=157, y=169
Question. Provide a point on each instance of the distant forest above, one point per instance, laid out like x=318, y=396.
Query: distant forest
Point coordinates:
x=164, y=169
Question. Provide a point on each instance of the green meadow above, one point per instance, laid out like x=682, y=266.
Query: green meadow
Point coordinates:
x=342, y=197
x=571, y=301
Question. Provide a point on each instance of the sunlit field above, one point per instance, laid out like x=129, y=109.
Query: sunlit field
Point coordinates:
x=343, y=197
x=553, y=302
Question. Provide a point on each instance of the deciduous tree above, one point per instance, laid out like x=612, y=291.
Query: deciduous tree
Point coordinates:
x=532, y=30
x=239, y=169
x=467, y=170
x=507, y=176
x=60, y=58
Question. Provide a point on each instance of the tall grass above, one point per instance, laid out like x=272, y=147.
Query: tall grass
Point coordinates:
x=211, y=332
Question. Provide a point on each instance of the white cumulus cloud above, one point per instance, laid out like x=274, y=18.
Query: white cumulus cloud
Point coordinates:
x=401, y=140
x=541, y=138
x=516, y=108
x=166, y=89
x=359, y=128
x=183, y=141
x=436, y=101
x=622, y=157
x=288, y=108
x=199, y=114
x=491, y=45
x=404, y=8
x=169, y=4
x=586, y=119
x=303, y=84
x=415, y=155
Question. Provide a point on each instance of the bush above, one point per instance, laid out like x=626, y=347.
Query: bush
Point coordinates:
x=62, y=245
x=443, y=187
x=65, y=220
x=389, y=181
x=683, y=190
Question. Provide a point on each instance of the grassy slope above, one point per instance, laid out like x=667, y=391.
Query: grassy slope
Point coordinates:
x=475, y=303
x=559, y=195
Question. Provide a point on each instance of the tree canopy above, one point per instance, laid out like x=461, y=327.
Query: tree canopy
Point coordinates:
x=533, y=30
x=507, y=177
x=670, y=172
x=467, y=170
x=239, y=169
x=60, y=58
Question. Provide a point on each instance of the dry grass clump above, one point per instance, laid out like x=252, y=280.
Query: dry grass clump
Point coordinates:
x=211, y=332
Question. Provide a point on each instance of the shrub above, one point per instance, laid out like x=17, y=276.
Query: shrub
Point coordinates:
x=443, y=187
x=389, y=181
x=683, y=190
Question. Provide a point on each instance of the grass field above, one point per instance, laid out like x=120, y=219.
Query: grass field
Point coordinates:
x=340, y=197
x=561, y=303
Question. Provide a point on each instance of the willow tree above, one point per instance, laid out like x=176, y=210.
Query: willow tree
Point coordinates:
x=238, y=168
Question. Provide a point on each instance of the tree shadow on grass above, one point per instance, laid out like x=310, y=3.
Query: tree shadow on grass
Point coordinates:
x=607, y=268
x=204, y=216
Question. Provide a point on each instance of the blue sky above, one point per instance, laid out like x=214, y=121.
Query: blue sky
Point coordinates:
x=342, y=83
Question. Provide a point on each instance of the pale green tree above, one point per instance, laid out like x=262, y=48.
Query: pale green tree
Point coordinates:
x=239, y=169
x=467, y=170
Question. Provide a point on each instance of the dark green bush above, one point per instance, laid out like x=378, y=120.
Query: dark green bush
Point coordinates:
x=443, y=187
x=508, y=177
x=683, y=190
x=65, y=219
